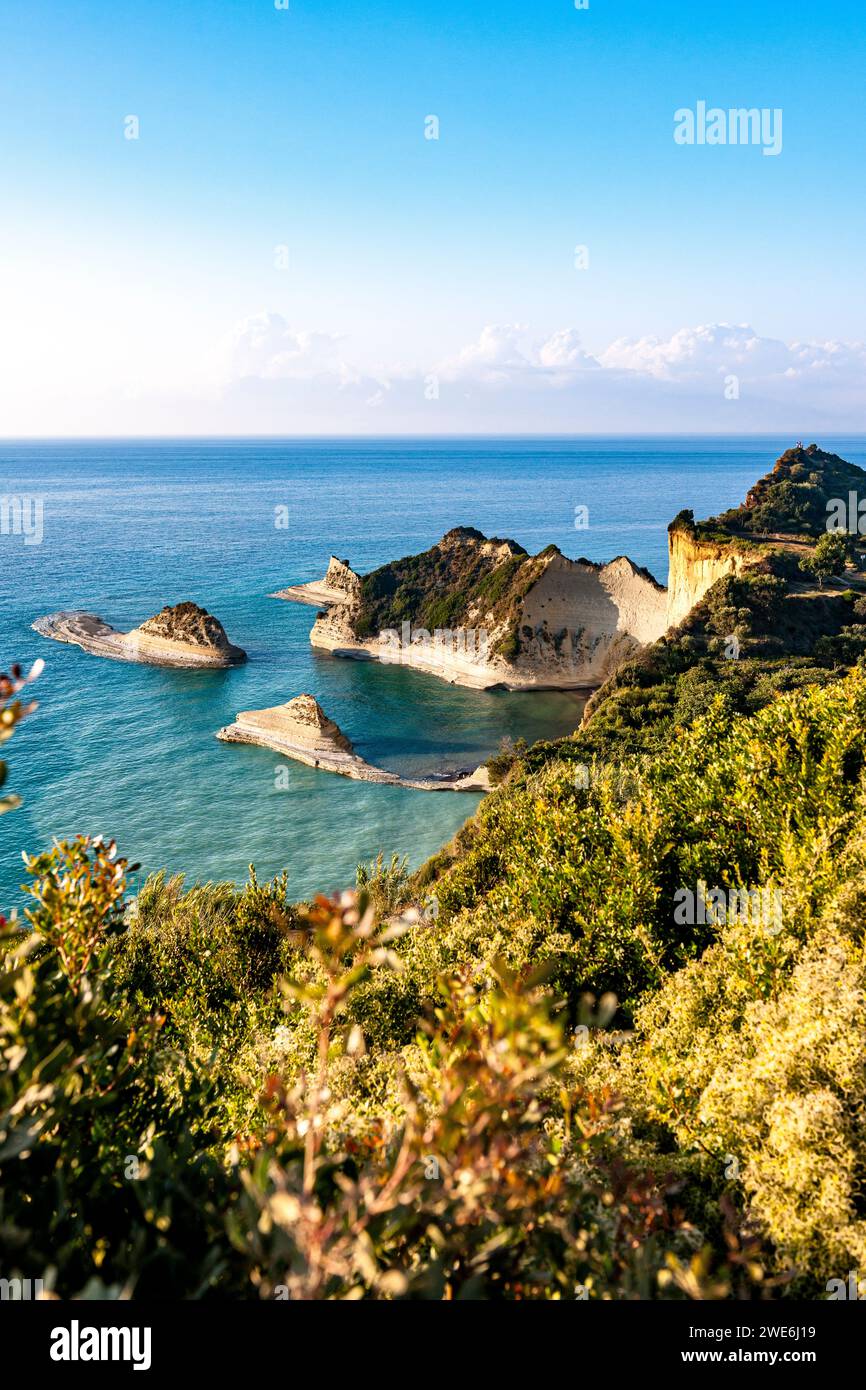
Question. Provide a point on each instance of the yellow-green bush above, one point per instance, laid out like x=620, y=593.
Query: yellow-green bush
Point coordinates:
x=752, y=1062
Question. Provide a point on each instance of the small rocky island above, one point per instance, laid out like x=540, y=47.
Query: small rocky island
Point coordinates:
x=300, y=729
x=184, y=636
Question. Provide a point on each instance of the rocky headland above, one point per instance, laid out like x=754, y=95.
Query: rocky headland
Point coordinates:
x=482, y=612
x=183, y=636
x=300, y=729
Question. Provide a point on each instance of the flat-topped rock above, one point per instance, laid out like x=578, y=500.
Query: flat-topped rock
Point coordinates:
x=182, y=636
x=300, y=729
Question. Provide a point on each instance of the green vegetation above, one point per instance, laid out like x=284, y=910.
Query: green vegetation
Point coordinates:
x=750, y=639
x=793, y=499
x=384, y=884
x=550, y=1086
x=12, y=711
x=828, y=558
x=464, y=581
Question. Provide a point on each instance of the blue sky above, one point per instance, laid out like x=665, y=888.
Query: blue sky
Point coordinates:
x=139, y=284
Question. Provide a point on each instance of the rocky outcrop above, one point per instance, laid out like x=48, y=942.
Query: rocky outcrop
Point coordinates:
x=341, y=579
x=188, y=624
x=340, y=586
x=805, y=492
x=482, y=612
x=797, y=497
x=180, y=636
x=300, y=729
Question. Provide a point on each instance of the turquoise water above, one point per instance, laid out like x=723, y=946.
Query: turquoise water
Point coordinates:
x=129, y=751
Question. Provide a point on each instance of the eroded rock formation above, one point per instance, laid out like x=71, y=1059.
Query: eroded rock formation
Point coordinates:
x=695, y=565
x=482, y=612
x=182, y=636
x=187, y=623
x=301, y=730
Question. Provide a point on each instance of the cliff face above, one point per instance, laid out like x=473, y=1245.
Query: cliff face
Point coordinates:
x=578, y=621
x=341, y=579
x=695, y=564
x=482, y=613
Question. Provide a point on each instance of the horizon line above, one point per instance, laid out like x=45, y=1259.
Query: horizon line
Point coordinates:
x=427, y=438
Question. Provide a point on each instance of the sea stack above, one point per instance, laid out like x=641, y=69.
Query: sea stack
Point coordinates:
x=184, y=635
x=300, y=729
x=300, y=725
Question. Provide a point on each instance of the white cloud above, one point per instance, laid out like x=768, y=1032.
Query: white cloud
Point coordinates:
x=504, y=354
x=695, y=353
x=699, y=356
x=264, y=346
x=506, y=380
x=270, y=376
x=563, y=349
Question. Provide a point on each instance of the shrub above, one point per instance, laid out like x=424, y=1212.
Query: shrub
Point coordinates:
x=12, y=711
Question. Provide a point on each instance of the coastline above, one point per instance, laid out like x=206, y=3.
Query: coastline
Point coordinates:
x=579, y=622
x=117, y=724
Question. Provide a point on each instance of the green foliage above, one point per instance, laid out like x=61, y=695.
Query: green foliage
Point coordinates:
x=502, y=762
x=491, y=1182
x=748, y=605
x=208, y=959
x=465, y=580
x=384, y=884
x=793, y=498
x=12, y=711
x=520, y=1073
x=587, y=874
x=828, y=558
x=508, y=646
x=752, y=1064
x=784, y=640
x=103, y=1185
x=492, y=1185
x=749, y=1058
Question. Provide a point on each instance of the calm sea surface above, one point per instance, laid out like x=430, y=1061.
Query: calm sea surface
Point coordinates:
x=131, y=525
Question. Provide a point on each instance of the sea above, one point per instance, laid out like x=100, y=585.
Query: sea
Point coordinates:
x=128, y=526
